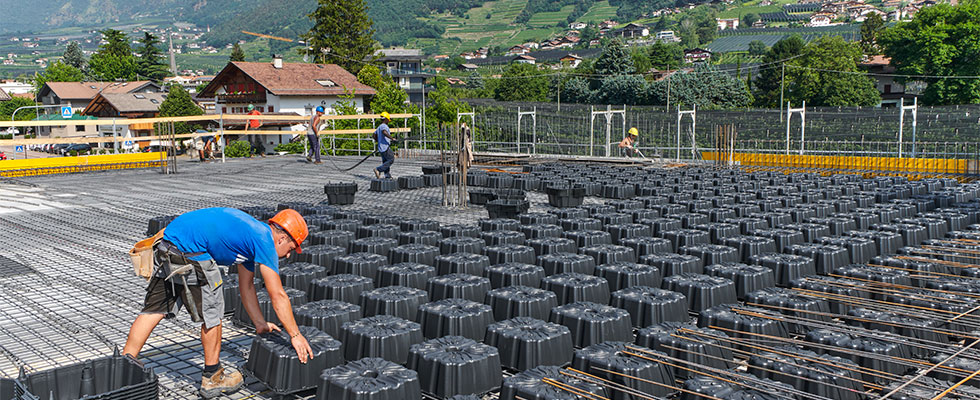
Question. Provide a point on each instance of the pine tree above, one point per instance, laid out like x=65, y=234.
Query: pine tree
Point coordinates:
x=614, y=60
x=115, y=59
x=150, y=61
x=342, y=33
x=870, y=30
x=236, y=53
x=73, y=56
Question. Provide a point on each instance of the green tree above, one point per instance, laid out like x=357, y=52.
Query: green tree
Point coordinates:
x=57, y=72
x=940, y=41
x=641, y=60
x=522, y=82
x=8, y=107
x=749, y=19
x=179, y=104
x=622, y=89
x=577, y=90
x=150, y=61
x=73, y=56
x=475, y=81
x=341, y=34
x=237, y=54
x=767, y=85
x=757, y=48
x=615, y=59
x=370, y=75
x=114, y=60
x=815, y=77
x=705, y=87
x=665, y=55
x=871, y=29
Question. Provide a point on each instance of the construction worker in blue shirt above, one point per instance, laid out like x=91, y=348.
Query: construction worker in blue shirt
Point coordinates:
x=382, y=137
x=186, y=273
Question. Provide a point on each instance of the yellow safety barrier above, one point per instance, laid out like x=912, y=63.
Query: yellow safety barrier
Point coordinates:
x=53, y=165
x=913, y=168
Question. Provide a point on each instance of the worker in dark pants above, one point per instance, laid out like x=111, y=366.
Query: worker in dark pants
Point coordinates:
x=313, y=136
x=383, y=140
x=186, y=273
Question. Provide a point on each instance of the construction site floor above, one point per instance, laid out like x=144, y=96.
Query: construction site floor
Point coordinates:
x=67, y=289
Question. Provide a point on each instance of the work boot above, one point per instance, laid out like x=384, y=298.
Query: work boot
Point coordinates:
x=221, y=383
x=318, y=162
x=309, y=159
x=377, y=174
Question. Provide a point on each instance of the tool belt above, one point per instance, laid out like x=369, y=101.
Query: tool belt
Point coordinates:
x=141, y=255
x=173, y=264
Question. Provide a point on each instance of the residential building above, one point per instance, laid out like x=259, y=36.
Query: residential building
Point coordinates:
x=693, y=56
x=190, y=82
x=632, y=30
x=404, y=66
x=577, y=25
x=280, y=87
x=79, y=94
x=759, y=24
x=667, y=36
x=468, y=67
x=14, y=87
x=892, y=92
x=517, y=50
x=525, y=59
x=727, y=23
x=571, y=60
x=123, y=106
x=4, y=96
x=820, y=19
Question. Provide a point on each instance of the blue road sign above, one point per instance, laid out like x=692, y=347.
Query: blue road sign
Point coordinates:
x=128, y=143
x=19, y=149
x=66, y=112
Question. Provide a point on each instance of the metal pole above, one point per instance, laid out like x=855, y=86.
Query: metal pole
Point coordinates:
x=915, y=118
x=221, y=128
x=679, y=133
x=788, y=115
x=782, y=86
x=608, y=127
x=115, y=137
x=519, y=115
x=694, y=125
x=901, y=121
x=802, y=126
x=592, y=132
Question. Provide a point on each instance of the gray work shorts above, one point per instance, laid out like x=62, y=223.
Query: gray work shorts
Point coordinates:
x=202, y=289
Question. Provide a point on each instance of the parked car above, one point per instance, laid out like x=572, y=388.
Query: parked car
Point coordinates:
x=56, y=149
x=3, y=156
x=79, y=148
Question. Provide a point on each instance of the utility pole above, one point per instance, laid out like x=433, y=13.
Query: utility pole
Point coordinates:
x=782, y=85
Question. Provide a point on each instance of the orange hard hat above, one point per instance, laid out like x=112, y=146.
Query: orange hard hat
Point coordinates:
x=294, y=225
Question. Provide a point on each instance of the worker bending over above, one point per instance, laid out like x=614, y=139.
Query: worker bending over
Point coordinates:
x=382, y=136
x=628, y=144
x=186, y=273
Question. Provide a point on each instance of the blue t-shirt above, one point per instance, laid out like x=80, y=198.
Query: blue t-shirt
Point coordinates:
x=382, y=140
x=226, y=235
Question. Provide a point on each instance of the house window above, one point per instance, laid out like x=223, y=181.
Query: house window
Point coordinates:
x=270, y=109
x=888, y=89
x=79, y=128
x=224, y=110
x=326, y=82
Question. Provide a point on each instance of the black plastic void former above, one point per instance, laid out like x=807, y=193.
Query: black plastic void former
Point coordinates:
x=115, y=377
x=273, y=361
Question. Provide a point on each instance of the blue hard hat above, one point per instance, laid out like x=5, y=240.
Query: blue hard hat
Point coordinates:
x=319, y=109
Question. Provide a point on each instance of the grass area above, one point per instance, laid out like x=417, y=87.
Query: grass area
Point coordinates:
x=735, y=58
x=599, y=12
x=533, y=34
x=551, y=18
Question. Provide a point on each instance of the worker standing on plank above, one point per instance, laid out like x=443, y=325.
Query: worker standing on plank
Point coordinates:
x=186, y=273
x=382, y=136
x=628, y=144
x=313, y=136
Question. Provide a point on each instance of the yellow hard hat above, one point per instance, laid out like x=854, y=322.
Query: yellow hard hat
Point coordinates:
x=634, y=132
x=386, y=116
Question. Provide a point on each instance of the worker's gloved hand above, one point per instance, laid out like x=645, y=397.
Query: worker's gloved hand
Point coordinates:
x=266, y=328
x=302, y=348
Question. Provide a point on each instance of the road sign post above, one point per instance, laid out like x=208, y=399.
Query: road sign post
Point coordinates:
x=66, y=112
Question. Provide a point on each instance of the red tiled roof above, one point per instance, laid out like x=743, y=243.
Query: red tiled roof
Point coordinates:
x=88, y=90
x=877, y=60
x=4, y=96
x=300, y=79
